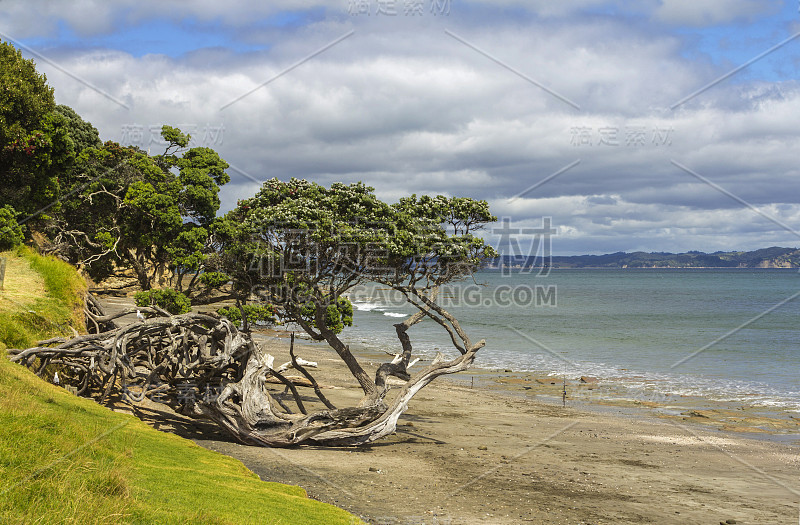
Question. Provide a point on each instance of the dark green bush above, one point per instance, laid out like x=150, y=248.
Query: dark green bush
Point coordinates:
x=170, y=300
x=214, y=279
x=256, y=313
x=11, y=233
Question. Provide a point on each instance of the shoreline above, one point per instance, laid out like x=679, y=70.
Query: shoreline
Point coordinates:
x=498, y=453
x=757, y=421
x=494, y=454
x=656, y=338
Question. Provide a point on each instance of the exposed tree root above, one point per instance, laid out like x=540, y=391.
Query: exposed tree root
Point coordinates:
x=203, y=366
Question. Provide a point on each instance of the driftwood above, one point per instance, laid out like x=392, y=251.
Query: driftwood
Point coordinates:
x=203, y=366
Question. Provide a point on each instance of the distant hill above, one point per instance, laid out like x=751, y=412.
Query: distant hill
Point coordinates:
x=774, y=257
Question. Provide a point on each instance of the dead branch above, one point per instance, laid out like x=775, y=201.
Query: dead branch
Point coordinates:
x=185, y=360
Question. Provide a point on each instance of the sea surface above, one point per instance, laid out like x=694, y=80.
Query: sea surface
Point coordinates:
x=731, y=335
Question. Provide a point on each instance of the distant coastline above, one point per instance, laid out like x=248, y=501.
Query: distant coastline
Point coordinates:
x=774, y=257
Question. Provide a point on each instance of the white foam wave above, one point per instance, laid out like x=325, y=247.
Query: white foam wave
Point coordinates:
x=638, y=382
x=367, y=307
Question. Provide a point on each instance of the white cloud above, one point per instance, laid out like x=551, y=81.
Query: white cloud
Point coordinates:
x=408, y=109
x=584, y=227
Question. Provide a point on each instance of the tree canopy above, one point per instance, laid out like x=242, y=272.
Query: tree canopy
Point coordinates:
x=291, y=252
x=150, y=214
x=35, y=146
x=302, y=246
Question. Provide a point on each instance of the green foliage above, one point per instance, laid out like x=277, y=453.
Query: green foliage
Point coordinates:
x=298, y=244
x=201, y=173
x=82, y=133
x=125, y=205
x=448, y=225
x=256, y=313
x=170, y=300
x=35, y=147
x=214, y=280
x=337, y=315
x=148, y=213
x=188, y=250
x=344, y=310
x=175, y=138
x=349, y=226
x=124, y=199
x=11, y=233
x=25, y=98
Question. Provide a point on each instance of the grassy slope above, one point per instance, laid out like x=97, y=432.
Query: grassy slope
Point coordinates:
x=42, y=298
x=64, y=459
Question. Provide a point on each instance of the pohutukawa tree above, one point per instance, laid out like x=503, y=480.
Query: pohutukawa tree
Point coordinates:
x=35, y=145
x=127, y=210
x=300, y=247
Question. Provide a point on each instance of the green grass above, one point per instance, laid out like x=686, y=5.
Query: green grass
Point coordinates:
x=62, y=282
x=65, y=459
x=26, y=314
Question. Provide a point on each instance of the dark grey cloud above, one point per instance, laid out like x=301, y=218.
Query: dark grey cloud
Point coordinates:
x=407, y=108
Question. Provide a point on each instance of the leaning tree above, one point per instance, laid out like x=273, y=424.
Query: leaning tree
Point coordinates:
x=301, y=247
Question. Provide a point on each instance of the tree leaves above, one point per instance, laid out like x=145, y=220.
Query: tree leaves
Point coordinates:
x=157, y=210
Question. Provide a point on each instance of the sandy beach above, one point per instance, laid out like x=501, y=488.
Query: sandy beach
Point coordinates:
x=494, y=454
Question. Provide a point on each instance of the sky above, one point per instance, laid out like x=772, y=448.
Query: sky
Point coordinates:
x=654, y=125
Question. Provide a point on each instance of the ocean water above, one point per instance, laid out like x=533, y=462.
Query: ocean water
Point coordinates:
x=728, y=335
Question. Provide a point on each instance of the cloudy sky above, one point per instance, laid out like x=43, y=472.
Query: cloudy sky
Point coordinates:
x=656, y=125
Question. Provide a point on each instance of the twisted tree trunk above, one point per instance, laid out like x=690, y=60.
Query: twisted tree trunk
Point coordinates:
x=203, y=366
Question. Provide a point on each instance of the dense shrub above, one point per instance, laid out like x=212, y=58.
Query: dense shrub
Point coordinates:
x=11, y=233
x=170, y=300
x=214, y=280
x=256, y=313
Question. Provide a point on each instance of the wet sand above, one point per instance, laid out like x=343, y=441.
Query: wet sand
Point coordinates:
x=501, y=453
